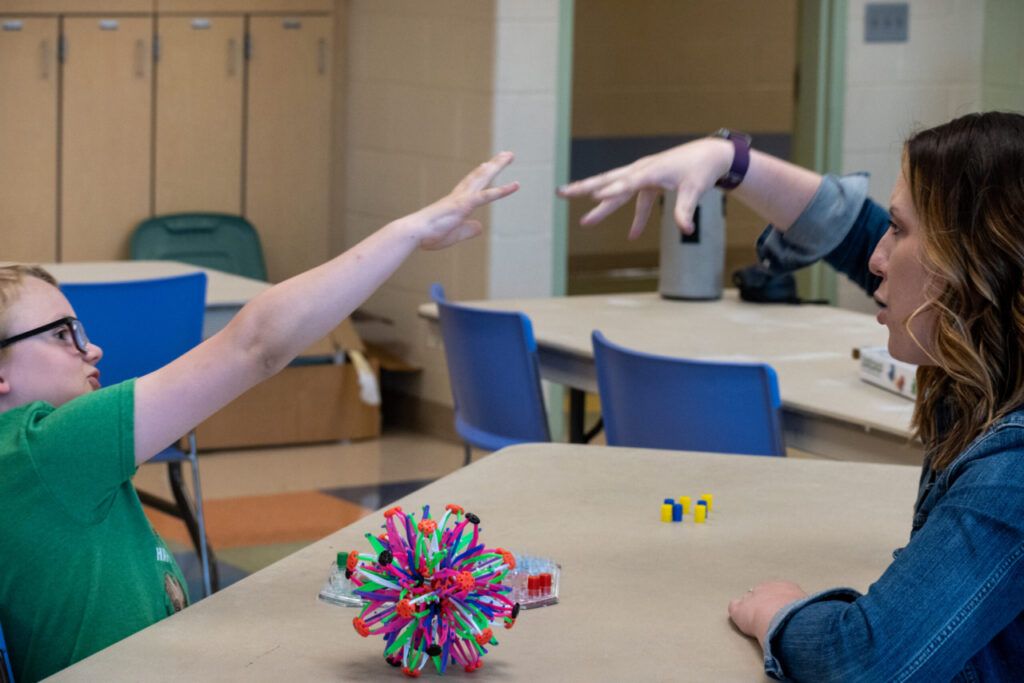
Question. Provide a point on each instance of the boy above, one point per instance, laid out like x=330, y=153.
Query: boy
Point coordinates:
x=80, y=566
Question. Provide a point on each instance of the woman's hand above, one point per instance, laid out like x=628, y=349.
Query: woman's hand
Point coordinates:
x=446, y=221
x=690, y=170
x=752, y=612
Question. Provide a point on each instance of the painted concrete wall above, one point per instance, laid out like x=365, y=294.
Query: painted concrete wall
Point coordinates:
x=893, y=89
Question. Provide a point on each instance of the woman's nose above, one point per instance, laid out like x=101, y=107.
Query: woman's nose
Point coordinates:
x=879, y=260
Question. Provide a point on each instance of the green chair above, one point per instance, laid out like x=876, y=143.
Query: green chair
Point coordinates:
x=211, y=240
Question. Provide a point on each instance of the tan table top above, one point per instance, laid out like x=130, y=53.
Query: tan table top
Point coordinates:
x=640, y=599
x=809, y=346
x=222, y=289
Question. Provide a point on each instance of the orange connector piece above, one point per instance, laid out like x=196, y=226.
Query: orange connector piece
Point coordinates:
x=484, y=636
x=465, y=581
x=353, y=560
x=507, y=557
x=453, y=508
x=427, y=526
x=405, y=609
x=361, y=627
x=391, y=512
x=411, y=673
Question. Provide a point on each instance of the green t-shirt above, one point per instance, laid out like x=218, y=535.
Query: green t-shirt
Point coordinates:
x=80, y=565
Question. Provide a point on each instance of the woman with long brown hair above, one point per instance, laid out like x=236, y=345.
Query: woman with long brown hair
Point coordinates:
x=945, y=263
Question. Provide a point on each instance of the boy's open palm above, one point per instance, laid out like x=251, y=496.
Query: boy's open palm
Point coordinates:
x=446, y=221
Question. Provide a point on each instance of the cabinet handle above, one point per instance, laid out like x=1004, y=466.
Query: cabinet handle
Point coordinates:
x=44, y=59
x=291, y=23
x=13, y=25
x=200, y=23
x=108, y=24
x=232, y=57
x=140, y=58
x=321, y=59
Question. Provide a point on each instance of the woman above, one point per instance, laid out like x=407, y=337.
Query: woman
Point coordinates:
x=945, y=264
x=80, y=566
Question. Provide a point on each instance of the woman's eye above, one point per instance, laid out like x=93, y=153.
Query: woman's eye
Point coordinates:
x=894, y=228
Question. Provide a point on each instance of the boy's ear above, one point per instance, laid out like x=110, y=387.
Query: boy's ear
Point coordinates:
x=5, y=386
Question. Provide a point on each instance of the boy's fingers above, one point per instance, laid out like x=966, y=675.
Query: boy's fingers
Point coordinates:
x=490, y=194
x=483, y=174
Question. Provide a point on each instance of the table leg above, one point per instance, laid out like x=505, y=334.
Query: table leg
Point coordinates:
x=577, y=414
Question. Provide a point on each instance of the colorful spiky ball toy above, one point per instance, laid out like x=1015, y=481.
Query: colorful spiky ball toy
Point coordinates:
x=432, y=591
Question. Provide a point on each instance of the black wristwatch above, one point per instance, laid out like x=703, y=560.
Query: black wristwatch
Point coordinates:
x=740, y=158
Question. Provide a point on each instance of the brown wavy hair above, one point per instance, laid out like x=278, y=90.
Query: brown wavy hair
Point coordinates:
x=966, y=181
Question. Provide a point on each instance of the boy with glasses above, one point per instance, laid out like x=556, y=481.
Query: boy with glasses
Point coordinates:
x=80, y=566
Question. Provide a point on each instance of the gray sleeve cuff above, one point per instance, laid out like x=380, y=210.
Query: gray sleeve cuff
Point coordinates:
x=821, y=227
x=772, y=667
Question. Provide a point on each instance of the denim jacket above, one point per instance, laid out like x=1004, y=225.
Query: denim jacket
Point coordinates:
x=951, y=604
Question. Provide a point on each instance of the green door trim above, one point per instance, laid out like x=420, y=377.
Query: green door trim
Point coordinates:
x=818, y=128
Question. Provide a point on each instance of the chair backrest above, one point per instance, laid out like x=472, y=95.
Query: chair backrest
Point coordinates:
x=492, y=365
x=6, y=672
x=141, y=325
x=211, y=240
x=651, y=401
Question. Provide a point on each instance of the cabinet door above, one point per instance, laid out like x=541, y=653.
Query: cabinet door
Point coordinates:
x=199, y=114
x=288, y=140
x=28, y=139
x=106, y=145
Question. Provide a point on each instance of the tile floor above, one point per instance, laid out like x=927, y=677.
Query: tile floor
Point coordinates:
x=264, y=504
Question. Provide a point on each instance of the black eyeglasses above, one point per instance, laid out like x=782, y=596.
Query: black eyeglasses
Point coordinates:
x=74, y=328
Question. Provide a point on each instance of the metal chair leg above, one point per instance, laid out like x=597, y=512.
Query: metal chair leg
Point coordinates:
x=188, y=516
x=204, y=551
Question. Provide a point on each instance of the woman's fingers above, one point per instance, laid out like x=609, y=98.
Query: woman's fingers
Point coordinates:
x=687, y=197
x=607, y=206
x=593, y=183
x=644, y=202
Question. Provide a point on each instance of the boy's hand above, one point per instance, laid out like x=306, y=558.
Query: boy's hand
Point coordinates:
x=446, y=221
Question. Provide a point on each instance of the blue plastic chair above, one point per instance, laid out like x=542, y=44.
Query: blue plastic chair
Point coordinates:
x=142, y=325
x=6, y=672
x=492, y=365
x=651, y=401
x=210, y=240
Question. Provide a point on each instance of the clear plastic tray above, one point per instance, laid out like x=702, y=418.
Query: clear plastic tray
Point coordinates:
x=534, y=583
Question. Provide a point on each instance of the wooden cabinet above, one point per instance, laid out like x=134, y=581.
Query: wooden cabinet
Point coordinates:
x=288, y=140
x=199, y=114
x=162, y=112
x=106, y=135
x=28, y=138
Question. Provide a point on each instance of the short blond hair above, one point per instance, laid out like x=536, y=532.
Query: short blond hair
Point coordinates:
x=11, y=278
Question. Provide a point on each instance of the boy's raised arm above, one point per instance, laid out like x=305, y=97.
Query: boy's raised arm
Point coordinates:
x=280, y=323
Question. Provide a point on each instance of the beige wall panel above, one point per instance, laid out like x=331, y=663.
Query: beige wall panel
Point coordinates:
x=105, y=173
x=76, y=6
x=199, y=114
x=248, y=6
x=28, y=140
x=289, y=142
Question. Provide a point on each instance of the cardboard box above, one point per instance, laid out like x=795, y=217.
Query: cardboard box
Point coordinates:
x=879, y=368
x=315, y=399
